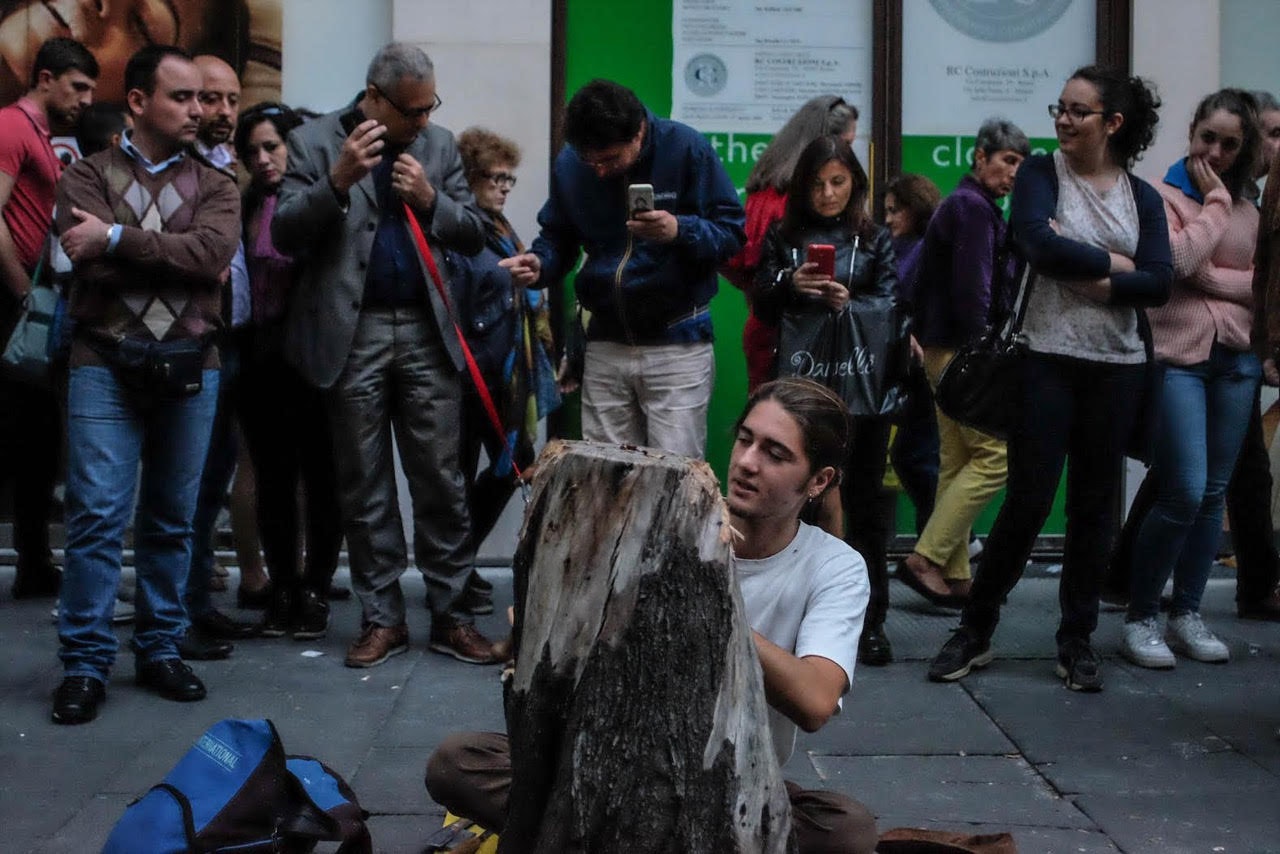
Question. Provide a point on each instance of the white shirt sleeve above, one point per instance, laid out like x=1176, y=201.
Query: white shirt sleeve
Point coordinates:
x=835, y=611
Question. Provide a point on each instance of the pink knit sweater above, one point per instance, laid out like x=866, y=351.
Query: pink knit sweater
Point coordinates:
x=1212, y=298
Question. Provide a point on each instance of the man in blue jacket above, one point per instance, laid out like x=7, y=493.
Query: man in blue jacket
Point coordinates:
x=649, y=276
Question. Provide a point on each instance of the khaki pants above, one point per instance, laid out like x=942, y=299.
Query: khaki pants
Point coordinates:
x=469, y=774
x=653, y=395
x=972, y=468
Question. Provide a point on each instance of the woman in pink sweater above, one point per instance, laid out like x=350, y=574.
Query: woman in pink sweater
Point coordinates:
x=1201, y=338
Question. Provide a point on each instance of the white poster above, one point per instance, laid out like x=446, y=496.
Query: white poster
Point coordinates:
x=965, y=60
x=745, y=65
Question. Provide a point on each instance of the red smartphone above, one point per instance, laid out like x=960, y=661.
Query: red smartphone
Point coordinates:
x=824, y=255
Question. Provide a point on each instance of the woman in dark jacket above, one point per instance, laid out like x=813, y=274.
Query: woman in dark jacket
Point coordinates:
x=509, y=332
x=827, y=205
x=285, y=420
x=1098, y=245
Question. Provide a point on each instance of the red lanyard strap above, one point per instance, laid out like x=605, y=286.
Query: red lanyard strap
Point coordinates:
x=477, y=378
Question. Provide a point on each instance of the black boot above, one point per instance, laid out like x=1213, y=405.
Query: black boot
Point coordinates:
x=874, y=649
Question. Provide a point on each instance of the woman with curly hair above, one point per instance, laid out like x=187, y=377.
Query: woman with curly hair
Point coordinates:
x=1097, y=241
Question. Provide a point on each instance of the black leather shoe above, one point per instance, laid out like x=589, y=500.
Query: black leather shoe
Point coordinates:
x=171, y=679
x=197, y=646
x=77, y=699
x=215, y=624
x=874, y=649
x=279, y=619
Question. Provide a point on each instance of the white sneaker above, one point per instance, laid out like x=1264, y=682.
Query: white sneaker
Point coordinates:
x=1188, y=636
x=1144, y=647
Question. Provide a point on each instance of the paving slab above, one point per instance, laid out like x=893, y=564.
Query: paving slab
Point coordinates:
x=1188, y=823
x=993, y=790
x=390, y=781
x=895, y=710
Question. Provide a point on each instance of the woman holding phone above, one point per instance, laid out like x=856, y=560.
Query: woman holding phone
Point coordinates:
x=824, y=248
x=767, y=188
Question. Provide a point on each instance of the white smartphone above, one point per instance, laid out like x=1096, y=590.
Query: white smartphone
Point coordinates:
x=639, y=198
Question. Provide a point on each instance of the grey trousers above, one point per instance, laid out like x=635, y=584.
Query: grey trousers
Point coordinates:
x=469, y=774
x=399, y=378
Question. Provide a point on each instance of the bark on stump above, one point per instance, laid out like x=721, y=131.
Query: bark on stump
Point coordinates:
x=637, y=715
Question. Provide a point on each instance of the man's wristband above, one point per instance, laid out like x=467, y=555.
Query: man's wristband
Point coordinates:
x=113, y=237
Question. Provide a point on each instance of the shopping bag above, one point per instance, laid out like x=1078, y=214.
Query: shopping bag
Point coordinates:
x=860, y=352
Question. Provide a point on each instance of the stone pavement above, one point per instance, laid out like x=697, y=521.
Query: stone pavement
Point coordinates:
x=1181, y=761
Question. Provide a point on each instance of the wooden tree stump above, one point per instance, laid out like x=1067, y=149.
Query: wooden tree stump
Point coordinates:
x=637, y=715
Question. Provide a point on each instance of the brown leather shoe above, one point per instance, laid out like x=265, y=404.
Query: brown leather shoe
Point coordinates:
x=463, y=642
x=376, y=644
x=925, y=577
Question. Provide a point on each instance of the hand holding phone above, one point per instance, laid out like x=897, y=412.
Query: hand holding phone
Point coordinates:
x=639, y=199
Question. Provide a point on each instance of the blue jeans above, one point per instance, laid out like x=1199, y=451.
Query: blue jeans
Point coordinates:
x=109, y=434
x=1204, y=412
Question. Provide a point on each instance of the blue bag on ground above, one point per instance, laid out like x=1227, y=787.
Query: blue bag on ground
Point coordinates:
x=236, y=790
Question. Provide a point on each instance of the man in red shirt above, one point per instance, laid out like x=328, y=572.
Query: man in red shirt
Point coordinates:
x=62, y=83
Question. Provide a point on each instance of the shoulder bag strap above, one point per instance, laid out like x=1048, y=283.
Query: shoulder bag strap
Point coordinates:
x=476, y=377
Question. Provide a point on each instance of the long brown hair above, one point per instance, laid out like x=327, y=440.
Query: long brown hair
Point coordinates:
x=799, y=215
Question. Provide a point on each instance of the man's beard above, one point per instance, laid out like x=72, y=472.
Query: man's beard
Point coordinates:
x=64, y=120
x=216, y=134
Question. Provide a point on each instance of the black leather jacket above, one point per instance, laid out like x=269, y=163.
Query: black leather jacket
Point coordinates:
x=864, y=265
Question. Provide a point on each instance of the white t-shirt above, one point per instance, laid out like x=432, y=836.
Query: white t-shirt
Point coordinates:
x=810, y=599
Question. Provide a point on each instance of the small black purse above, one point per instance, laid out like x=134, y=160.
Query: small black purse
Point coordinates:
x=159, y=370
x=978, y=387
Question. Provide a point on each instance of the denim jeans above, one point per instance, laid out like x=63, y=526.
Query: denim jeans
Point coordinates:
x=109, y=434
x=1204, y=412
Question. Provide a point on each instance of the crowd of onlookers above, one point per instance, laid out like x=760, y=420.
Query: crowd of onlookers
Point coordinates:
x=259, y=301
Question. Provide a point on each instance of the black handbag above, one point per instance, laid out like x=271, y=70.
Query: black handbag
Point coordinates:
x=978, y=387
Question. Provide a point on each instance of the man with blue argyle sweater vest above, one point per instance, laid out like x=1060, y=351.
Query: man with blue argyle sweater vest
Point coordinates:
x=149, y=228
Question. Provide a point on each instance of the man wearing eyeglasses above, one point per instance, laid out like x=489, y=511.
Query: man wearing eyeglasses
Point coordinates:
x=368, y=324
x=649, y=275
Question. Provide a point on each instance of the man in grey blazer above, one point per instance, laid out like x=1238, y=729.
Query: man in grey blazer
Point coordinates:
x=367, y=323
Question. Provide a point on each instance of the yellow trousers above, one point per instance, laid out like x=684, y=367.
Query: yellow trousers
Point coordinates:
x=972, y=468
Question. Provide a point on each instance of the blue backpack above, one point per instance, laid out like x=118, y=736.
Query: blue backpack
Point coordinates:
x=236, y=790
